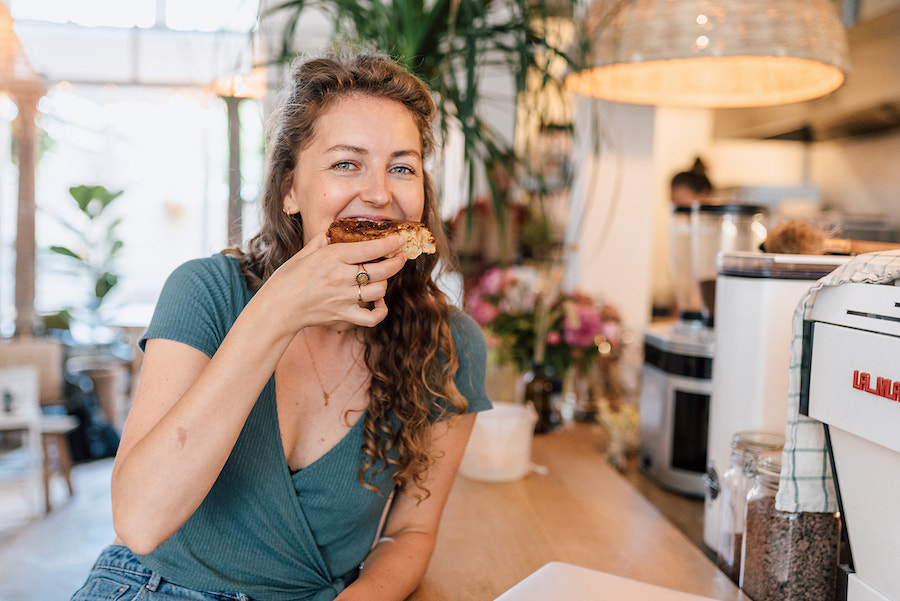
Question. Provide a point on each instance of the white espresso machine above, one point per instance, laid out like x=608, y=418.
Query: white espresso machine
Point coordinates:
x=674, y=405
x=850, y=381
x=756, y=294
x=678, y=356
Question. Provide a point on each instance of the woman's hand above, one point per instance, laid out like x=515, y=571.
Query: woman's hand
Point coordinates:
x=318, y=286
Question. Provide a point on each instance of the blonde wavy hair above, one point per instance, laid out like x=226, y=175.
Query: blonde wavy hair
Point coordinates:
x=411, y=354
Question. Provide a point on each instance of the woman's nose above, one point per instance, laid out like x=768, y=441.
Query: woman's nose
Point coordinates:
x=377, y=190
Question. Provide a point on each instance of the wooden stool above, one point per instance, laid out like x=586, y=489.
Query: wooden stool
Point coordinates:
x=56, y=451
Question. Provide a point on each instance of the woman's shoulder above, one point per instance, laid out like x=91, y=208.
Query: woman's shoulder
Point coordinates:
x=464, y=326
x=471, y=351
x=468, y=337
x=216, y=267
x=218, y=275
x=199, y=301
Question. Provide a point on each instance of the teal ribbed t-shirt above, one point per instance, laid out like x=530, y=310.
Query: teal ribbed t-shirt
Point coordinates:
x=263, y=531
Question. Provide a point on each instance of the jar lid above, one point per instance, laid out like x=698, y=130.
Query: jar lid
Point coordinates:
x=769, y=469
x=758, y=441
x=733, y=209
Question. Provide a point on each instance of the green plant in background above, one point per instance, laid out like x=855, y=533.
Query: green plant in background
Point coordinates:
x=98, y=246
x=450, y=44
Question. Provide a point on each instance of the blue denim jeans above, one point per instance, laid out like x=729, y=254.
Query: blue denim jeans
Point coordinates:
x=118, y=575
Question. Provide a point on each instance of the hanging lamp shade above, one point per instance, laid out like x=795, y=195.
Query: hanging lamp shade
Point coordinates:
x=16, y=75
x=711, y=53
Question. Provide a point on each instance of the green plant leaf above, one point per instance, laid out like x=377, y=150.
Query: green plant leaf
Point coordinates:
x=61, y=320
x=62, y=250
x=83, y=196
x=117, y=246
x=104, y=284
x=93, y=200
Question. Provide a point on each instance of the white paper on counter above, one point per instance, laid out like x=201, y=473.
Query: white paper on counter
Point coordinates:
x=568, y=582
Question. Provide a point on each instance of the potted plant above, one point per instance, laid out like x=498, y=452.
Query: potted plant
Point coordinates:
x=93, y=256
x=449, y=44
x=92, y=348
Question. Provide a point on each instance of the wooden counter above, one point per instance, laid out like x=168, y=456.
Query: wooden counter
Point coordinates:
x=581, y=512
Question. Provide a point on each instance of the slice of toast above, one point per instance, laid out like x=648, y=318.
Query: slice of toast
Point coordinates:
x=419, y=239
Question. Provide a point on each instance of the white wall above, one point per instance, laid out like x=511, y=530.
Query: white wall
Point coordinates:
x=860, y=176
x=611, y=236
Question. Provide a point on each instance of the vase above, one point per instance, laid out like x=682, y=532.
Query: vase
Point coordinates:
x=544, y=392
x=584, y=390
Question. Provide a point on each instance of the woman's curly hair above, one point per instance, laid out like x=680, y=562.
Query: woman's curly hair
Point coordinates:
x=410, y=354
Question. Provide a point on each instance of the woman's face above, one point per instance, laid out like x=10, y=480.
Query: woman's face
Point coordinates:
x=683, y=196
x=365, y=161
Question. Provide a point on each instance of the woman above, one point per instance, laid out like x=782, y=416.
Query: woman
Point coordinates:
x=281, y=403
x=689, y=188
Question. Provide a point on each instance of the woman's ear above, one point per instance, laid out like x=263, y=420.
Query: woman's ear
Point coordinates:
x=288, y=203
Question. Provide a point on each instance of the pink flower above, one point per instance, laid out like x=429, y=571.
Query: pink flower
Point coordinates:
x=494, y=281
x=553, y=338
x=612, y=331
x=482, y=312
x=582, y=321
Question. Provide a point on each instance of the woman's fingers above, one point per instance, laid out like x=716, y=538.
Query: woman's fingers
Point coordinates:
x=369, y=315
x=369, y=250
x=343, y=282
x=330, y=283
x=377, y=271
x=370, y=292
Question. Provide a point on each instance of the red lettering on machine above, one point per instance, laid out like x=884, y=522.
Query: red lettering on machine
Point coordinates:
x=884, y=387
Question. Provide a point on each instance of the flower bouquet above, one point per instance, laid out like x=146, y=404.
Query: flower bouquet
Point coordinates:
x=529, y=319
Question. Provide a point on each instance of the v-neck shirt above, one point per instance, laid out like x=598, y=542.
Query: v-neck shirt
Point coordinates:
x=262, y=530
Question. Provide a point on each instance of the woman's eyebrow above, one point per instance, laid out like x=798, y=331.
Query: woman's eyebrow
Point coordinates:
x=403, y=153
x=347, y=148
x=359, y=150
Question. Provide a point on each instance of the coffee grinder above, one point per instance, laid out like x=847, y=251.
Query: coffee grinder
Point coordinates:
x=678, y=355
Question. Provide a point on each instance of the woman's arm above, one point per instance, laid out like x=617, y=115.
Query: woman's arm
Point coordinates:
x=189, y=409
x=397, y=564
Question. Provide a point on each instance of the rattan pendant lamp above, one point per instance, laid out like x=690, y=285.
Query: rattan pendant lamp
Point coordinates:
x=711, y=53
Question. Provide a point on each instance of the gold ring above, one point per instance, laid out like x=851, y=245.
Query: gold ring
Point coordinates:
x=362, y=278
x=359, y=294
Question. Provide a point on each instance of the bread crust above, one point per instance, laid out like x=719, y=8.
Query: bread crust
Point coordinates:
x=418, y=238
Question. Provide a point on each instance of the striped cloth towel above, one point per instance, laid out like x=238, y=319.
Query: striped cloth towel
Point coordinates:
x=807, y=483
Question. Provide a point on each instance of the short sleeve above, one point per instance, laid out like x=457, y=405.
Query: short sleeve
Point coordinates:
x=199, y=303
x=471, y=350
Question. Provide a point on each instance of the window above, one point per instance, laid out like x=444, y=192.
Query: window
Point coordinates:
x=190, y=15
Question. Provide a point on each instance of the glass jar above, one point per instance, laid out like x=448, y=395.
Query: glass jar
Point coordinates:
x=787, y=556
x=747, y=449
x=686, y=289
x=717, y=228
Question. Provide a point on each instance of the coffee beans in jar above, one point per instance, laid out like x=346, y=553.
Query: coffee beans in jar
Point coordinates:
x=787, y=556
x=747, y=448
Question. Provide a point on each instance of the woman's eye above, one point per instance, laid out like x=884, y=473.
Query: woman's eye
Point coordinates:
x=343, y=165
x=402, y=169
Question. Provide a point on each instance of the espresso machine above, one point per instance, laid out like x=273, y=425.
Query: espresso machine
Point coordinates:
x=850, y=381
x=756, y=295
x=676, y=376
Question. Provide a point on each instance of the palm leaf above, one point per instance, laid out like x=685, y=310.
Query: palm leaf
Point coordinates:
x=448, y=44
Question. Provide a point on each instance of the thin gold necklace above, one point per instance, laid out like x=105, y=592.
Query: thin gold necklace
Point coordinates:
x=325, y=395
